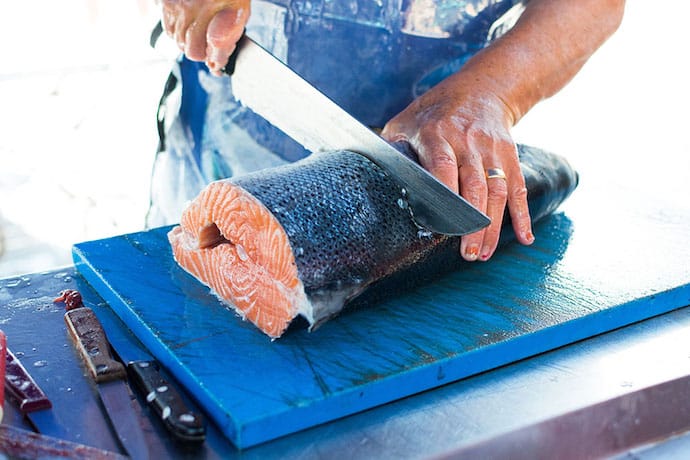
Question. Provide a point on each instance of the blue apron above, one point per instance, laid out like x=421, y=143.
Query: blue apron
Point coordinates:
x=372, y=57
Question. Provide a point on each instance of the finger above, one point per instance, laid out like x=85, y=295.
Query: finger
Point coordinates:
x=473, y=188
x=437, y=156
x=517, y=202
x=183, y=18
x=168, y=17
x=497, y=196
x=195, y=38
x=224, y=30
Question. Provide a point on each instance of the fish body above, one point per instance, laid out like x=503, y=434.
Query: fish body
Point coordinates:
x=308, y=238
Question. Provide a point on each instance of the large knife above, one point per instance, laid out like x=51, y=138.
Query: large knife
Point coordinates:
x=109, y=375
x=271, y=89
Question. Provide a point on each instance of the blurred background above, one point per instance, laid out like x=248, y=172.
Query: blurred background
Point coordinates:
x=79, y=87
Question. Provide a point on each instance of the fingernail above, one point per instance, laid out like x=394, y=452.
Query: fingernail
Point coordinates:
x=529, y=237
x=471, y=252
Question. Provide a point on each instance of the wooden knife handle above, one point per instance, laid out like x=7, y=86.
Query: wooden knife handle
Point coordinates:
x=22, y=387
x=91, y=342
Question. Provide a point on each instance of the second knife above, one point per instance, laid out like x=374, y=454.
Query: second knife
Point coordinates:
x=109, y=375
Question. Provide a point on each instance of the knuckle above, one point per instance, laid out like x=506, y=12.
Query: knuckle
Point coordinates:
x=498, y=191
x=443, y=160
x=474, y=181
x=519, y=193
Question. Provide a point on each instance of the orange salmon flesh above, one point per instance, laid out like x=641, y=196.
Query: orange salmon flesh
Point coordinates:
x=229, y=241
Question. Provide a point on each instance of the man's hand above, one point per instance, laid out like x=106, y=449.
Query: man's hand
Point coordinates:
x=460, y=131
x=461, y=127
x=206, y=30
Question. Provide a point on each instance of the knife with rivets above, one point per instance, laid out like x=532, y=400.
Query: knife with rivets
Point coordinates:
x=178, y=417
x=278, y=94
x=110, y=378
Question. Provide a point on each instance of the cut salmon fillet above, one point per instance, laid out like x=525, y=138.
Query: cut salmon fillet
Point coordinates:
x=233, y=244
x=308, y=238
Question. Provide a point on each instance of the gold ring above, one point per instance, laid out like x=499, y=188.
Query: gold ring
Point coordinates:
x=495, y=173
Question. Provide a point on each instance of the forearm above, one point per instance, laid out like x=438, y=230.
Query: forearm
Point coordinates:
x=546, y=48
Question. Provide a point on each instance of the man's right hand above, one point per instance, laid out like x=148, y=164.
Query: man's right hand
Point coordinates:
x=206, y=30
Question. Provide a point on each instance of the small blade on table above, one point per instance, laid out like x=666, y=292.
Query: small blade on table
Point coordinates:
x=18, y=443
x=109, y=375
x=166, y=402
x=22, y=387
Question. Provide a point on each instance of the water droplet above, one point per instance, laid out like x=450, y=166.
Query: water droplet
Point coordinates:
x=151, y=396
x=162, y=389
x=166, y=412
x=41, y=363
x=402, y=204
x=299, y=251
x=422, y=233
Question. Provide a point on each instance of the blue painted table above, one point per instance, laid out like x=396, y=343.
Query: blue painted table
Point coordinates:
x=610, y=257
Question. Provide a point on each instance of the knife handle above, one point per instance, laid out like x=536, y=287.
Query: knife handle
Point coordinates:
x=91, y=342
x=22, y=387
x=229, y=68
x=166, y=402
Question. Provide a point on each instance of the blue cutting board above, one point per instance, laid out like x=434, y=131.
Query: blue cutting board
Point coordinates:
x=610, y=257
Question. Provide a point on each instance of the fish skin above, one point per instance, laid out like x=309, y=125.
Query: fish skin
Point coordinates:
x=352, y=236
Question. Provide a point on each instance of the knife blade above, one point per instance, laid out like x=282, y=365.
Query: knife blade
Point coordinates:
x=18, y=443
x=167, y=402
x=272, y=90
x=31, y=399
x=160, y=393
x=109, y=376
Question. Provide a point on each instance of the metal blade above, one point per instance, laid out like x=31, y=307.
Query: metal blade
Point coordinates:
x=118, y=403
x=272, y=90
x=109, y=375
x=30, y=398
x=181, y=419
x=46, y=422
x=18, y=443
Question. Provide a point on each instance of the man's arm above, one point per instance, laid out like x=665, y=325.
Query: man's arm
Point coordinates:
x=461, y=127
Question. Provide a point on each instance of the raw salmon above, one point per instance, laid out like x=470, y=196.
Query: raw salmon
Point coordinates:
x=310, y=237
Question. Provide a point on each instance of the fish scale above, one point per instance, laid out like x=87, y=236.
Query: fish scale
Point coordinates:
x=343, y=214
